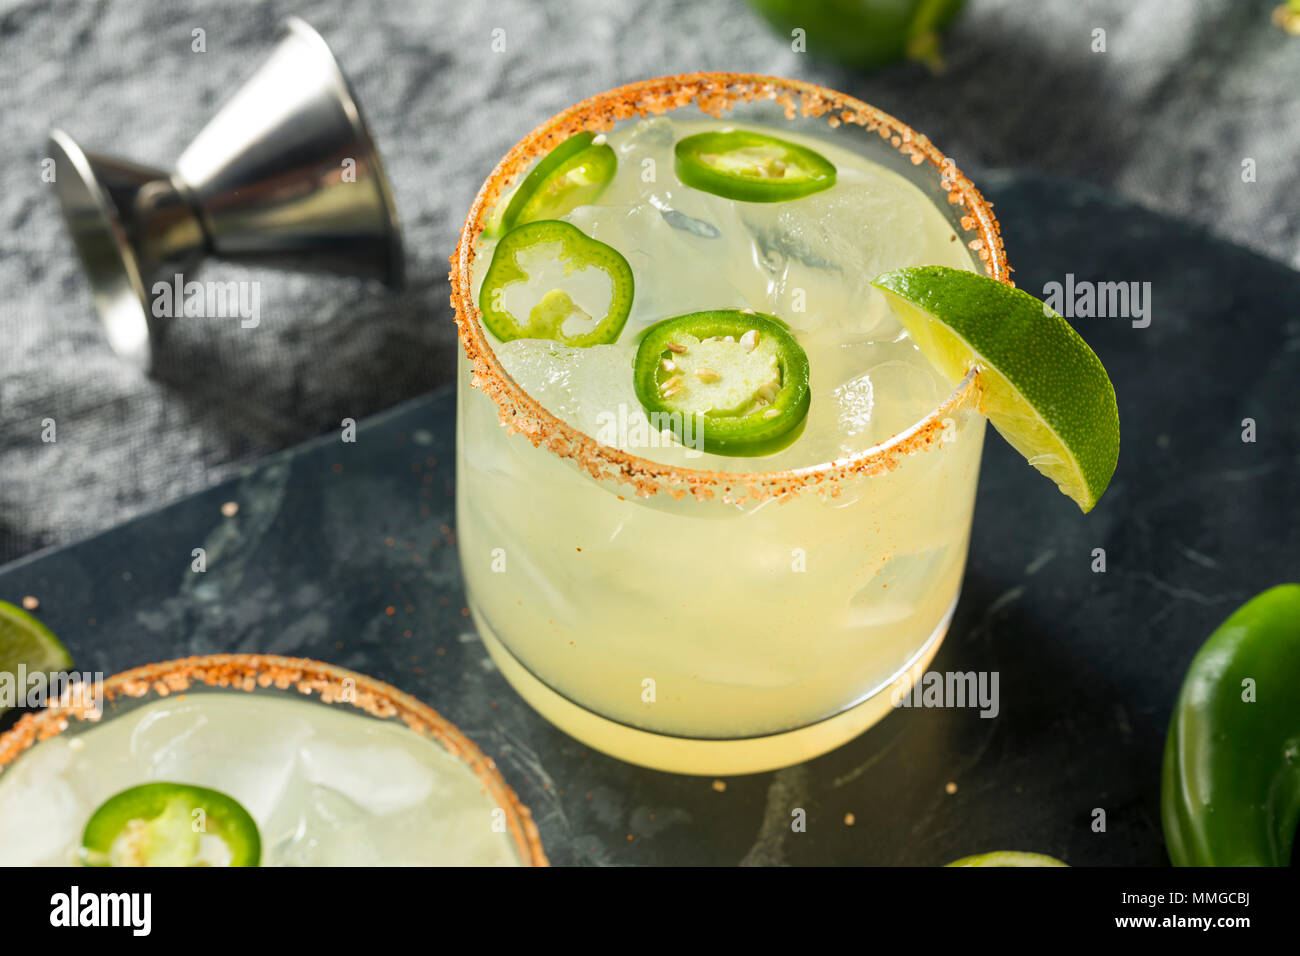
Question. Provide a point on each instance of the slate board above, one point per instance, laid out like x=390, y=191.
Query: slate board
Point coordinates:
x=329, y=535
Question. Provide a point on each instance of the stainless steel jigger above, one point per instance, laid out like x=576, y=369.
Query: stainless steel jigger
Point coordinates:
x=285, y=174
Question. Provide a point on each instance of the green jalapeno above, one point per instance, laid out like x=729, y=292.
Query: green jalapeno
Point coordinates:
x=555, y=314
x=751, y=167
x=1231, y=787
x=726, y=381
x=571, y=175
x=866, y=34
x=171, y=824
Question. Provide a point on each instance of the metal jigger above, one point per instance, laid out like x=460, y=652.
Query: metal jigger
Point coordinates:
x=267, y=181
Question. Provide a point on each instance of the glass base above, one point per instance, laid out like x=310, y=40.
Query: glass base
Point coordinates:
x=718, y=758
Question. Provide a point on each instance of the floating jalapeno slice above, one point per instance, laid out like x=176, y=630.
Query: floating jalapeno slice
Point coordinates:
x=171, y=824
x=571, y=175
x=725, y=381
x=751, y=167
x=557, y=313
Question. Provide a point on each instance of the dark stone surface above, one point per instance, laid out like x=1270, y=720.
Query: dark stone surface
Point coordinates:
x=328, y=536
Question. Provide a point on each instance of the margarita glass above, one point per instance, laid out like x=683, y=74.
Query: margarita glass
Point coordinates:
x=333, y=767
x=717, y=618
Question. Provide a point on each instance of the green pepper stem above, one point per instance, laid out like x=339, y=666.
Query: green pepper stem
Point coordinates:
x=923, y=43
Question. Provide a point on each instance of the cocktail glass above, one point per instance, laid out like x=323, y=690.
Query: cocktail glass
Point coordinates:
x=698, y=621
x=308, y=687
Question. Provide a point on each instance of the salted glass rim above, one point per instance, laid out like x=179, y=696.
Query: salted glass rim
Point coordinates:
x=713, y=93
x=316, y=681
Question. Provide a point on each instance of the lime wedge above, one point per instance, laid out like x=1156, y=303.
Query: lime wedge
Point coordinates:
x=1043, y=388
x=1008, y=858
x=26, y=641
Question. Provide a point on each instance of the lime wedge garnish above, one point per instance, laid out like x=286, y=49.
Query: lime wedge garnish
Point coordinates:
x=1043, y=388
x=26, y=641
x=1008, y=858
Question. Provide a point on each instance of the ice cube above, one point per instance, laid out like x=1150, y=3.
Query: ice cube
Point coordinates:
x=855, y=400
x=331, y=830
x=651, y=133
x=905, y=390
x=677, y=270
x=40, y=812
x=679, y=220
x=204, y=741
x=647, y=153
x=577, y=384
x=823, y=250
x=379, y=778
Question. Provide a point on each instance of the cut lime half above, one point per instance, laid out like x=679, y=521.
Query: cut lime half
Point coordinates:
x=1042, y=387
x=26, y=642
x=1008, y=858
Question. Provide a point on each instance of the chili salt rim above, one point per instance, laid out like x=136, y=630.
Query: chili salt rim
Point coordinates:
x=246, y=672
x=713, y=93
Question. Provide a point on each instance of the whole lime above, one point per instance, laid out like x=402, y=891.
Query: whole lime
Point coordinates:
x=864, y=33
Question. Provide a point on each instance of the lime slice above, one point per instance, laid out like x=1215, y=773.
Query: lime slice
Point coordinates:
x=27, y=642
x=1043, y=388
x=1008, y=858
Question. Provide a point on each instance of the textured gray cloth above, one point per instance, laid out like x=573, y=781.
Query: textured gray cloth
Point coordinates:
x=1184, y=92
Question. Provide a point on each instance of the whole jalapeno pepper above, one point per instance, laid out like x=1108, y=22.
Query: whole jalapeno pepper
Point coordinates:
x=1231, y=783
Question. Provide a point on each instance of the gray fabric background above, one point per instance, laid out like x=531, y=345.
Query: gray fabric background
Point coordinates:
x=1184, y=92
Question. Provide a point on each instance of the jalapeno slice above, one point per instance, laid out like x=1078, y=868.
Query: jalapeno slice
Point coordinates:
x=724, y=381
x=751, y=167
x=171, y=824
x=571, y=175
x=555, y=314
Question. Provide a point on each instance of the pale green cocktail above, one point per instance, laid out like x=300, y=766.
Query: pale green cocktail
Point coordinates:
x=758, y=619
x=332, y=768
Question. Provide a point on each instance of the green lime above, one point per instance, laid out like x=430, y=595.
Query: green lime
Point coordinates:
x=1008, y=858
x=1043, y=388
x=26, y=642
